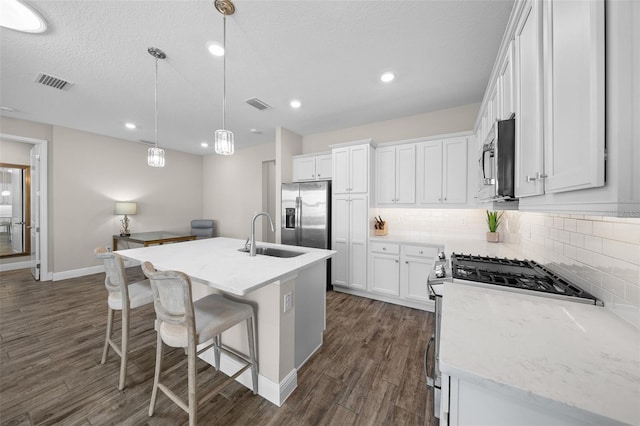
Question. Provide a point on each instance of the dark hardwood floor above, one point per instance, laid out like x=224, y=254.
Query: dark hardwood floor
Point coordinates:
x=368, y=372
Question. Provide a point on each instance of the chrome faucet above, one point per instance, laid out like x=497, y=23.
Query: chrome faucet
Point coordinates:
x=252, y=243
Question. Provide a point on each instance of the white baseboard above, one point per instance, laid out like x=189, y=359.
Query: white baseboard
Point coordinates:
x=15, y=265
x=74, y=273
x=276, y=393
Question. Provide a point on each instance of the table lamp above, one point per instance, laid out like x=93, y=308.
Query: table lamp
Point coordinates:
x=125, y=208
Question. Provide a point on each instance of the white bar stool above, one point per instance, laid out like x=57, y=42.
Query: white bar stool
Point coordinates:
x=122, y=297
x=183, y=323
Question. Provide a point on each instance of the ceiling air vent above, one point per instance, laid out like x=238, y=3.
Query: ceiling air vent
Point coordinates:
x=258, y=104
x=51, y=81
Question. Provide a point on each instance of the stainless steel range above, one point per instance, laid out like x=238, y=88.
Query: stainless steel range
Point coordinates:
x=521, y=276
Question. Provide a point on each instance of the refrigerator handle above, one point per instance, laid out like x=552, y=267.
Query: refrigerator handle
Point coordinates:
x=298, y=220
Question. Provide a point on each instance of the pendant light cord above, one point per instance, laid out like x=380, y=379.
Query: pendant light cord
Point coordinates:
x=156, y=104
x=224, y=69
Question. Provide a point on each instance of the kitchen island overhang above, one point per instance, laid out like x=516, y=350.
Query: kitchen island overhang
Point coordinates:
x=288, y=332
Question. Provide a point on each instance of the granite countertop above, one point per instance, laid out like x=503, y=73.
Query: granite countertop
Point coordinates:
x=576, y=359
x=218, y=263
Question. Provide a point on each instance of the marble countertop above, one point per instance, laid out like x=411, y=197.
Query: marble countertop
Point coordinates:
x=218, y=263
x=453, y=244
x=577, y=359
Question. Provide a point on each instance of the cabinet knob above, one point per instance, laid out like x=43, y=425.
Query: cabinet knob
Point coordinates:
x=406, y=261
x=445, y=198
x=318, y=174
x=420, y=252
x=384, y=248
x=396, y=261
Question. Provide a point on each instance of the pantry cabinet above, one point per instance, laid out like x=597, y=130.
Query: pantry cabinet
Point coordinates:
x=396, y=175
x=349, y=239
x=312, y=167
x=442, y=171
x=350, y=214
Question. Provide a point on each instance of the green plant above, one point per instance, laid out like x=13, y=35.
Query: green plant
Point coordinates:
x=493, y=220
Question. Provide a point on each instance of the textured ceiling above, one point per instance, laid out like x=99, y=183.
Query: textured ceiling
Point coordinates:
x=327, y=54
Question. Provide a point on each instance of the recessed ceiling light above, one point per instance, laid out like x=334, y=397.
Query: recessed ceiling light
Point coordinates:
x=215, y=49
x=295, y=104
x=7, y=109
x=255, y=131
x=130, y=126
x=20, y=17
x=387, y=77
x=204, y=145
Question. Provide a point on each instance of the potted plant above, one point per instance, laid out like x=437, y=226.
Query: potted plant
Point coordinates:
x=493, y=220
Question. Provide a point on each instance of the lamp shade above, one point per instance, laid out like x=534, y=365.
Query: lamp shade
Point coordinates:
x=123, y=207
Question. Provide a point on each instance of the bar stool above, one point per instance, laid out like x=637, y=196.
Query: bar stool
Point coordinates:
x=183, y=323
x=122, y=297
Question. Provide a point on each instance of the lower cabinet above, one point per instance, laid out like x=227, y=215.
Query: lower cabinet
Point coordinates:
x=398, y=273
x=467, y=403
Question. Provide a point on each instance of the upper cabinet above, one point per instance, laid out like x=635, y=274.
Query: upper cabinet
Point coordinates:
x=560, y=97
x=351, y=169
x=529, y=142
x=574, y=103
x=311, y=167
x=396, y=175
x=505, y=84
x=442, y=171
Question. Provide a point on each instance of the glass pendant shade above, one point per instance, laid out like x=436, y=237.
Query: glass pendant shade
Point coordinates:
x=224, y=142
x=155, y=157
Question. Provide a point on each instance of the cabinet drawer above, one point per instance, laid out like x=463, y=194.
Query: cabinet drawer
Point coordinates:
x=385, y=248
x=420, y=251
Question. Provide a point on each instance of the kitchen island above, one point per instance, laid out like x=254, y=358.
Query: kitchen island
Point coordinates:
x=288, y=296
x=510, y=358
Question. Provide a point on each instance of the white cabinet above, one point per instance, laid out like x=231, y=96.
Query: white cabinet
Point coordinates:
x=384, y=260
x=442, y=171
x=349, y=238
x=416, y=264
x=396, y=175
x=574, y=95
x=351, y=169
x=560, y=97
x=528, y=49
x=350, y=218
x=467, y=403
x=309, y=168
x=398, y=273
x=505, y=83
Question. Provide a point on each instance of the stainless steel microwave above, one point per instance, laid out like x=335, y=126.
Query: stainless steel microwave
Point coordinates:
x=497, y=163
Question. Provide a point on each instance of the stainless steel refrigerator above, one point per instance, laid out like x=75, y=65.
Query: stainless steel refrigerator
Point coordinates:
x=306, y=214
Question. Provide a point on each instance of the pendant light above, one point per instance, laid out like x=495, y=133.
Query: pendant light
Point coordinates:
x=155, y=156
x=224, y=138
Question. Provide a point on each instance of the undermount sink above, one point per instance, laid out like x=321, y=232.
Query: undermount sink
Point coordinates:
x=274, y=252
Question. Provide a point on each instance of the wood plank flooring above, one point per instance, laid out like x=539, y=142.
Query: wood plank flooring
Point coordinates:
x=368, y=372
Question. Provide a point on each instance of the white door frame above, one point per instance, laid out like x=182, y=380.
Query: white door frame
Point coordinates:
x=45, y=275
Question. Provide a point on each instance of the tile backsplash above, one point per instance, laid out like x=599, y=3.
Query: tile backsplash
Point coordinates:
x=602, y=254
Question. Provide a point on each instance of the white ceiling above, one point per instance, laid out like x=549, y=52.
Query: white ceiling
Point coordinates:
x=327, y=54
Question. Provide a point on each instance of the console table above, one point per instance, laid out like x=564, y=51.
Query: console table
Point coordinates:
x=150, y=238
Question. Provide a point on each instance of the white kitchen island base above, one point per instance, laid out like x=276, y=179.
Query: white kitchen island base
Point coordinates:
x=286, y=338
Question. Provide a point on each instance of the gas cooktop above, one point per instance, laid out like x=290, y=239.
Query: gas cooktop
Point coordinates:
x=519, y=275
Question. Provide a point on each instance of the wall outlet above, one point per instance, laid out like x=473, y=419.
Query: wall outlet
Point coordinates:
x=288, y=301
x=109, y=249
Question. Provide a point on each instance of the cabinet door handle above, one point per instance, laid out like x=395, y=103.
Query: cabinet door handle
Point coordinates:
x=445, y=198
x=396, y=261
x=406, y=261
x=538, y=176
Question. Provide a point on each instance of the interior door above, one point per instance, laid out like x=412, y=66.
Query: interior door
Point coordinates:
x=34, y=220
x=17, y=210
